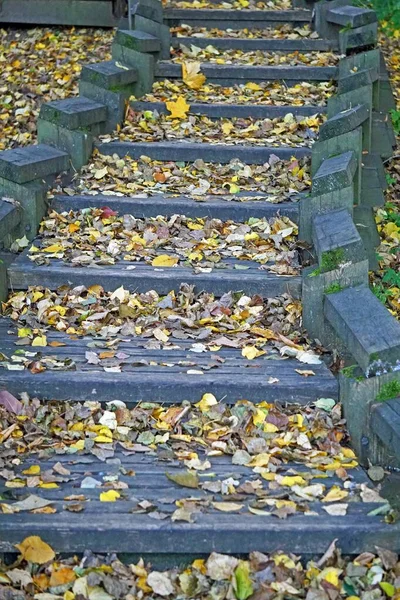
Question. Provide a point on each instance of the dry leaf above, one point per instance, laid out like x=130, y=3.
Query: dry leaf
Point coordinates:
x=178, y=109
x=35, y=550
x=191, y=75
x=163, y=260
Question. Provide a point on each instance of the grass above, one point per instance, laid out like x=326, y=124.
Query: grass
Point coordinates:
x=389, y=391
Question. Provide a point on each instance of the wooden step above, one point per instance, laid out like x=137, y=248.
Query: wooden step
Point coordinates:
x=146, y=376
x=220, y=110
x=94, y=13
x=142, y=277
x=251, y=45
x=236, y=74
x=113, y=527
x=190, y=151
x=217, y=207
x=234, y=19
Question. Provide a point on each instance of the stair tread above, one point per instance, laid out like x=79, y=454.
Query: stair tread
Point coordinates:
x=167, y=69
x=240, y=207
x=211, y=531
x=269, y=376
x=184, y=151
x=143, y=277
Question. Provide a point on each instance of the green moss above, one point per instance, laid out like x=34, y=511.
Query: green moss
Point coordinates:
x=315, y=272
x=388, y=391
x=349, y=371
x=333, y=288
x=332, y=259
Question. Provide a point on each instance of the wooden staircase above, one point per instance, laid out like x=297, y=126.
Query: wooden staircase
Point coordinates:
x=188, y=361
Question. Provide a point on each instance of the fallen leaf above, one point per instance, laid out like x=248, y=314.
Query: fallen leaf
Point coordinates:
x=178, y=108
x=35, y=550
x=191, y=75
x=110, y=496
x=160, y=583
x=163, y=260
x=10, y=402
x=227, y=506
x=243, y=584
x=188, y=479
x=336, y=510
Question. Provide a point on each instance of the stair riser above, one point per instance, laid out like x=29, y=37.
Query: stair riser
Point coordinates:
x=257, y=44
x=236, y=74
x=148, y=538
x=152, y=207
x=146, y=278
x=189, y=152
x=171, y=388
x=230, y=111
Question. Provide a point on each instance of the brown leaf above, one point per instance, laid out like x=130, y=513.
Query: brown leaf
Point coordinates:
x=10, y=403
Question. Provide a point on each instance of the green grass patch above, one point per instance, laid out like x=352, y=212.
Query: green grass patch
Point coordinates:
x=332, y=259
x=333, y=288
x=389, y=391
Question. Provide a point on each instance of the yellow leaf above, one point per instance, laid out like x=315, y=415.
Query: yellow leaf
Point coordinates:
x=53, y=248
x=251, y=352
x=335, y=494
x=62, y=576
x=254, y=87
x=24, y=332
x=233, y=188
x=48, y=486
x=259, y=417
x=178, y=109
x=191, y=75
x=270, y=428
x=79, y=445
x=207, y=401
x=39, y=340
x=199, y=564
x=284, y=559
x=388, y=588
x=164, y=261
x=35, y=550
x=261, y=460
x=227, y=127
x=331, y=575
x=103, y=439
x=33, y=470
x=290, y=480
x=110, y=496
x=285, y=503
x=348, y=453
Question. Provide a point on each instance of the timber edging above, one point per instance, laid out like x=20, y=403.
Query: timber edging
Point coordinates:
x=337, y=217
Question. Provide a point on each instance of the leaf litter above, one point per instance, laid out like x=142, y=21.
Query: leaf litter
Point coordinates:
x=225, y=56
x=273, y=93
x=277, y=179
x=232, y=5
x=39, y=65
x=287, y=32
x=100, y=237
x=261, y=458
x=267, y=328
x=258, y=575
x=386, y=280
x=152, y=126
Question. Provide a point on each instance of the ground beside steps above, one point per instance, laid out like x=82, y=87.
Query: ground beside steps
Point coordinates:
x=196, y=338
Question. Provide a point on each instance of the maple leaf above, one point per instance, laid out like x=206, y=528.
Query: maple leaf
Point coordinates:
x=178, y=109
x=191, y=75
